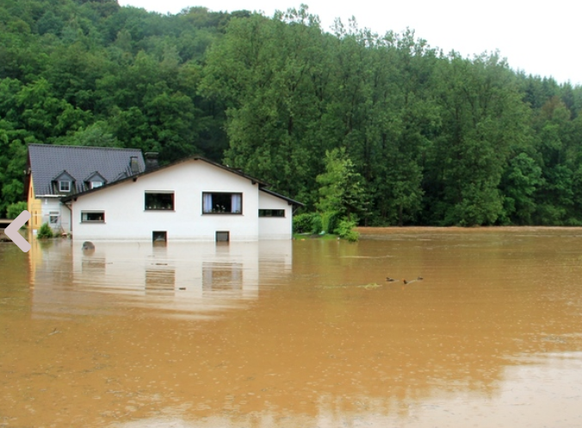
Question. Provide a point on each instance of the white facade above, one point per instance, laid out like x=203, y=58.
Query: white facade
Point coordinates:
x=275, y=227
x=54, y=213
x=121, y=211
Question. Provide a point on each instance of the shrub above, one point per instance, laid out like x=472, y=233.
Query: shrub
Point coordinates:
x=345, y=230
x=316, y=225
x=302, y=223
x=308, y=223
x=45, y=231
x=329, y=221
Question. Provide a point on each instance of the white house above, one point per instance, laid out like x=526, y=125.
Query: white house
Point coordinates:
x=194, y=199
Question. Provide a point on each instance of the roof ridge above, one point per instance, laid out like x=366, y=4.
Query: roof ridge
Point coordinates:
x=83, y=147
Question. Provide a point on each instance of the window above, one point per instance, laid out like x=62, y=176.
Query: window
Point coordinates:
x=159, y=201
x=94, y=180
x=222, y=203
x=64, y=186
x=54, y=217
x=222, y=236
x=92, y=216
x=159, y=236
x=271, y=213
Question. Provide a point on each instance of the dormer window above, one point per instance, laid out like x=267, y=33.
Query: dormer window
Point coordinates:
x=63, y=183
x=94, y=180
x=64, y=186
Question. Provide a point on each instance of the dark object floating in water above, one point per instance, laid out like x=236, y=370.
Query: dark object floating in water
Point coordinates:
x=88, y=245
x=420, y=278
x=390, y=279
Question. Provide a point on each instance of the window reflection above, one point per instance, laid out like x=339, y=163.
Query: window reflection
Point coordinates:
x=221, y=276
x=160, y=280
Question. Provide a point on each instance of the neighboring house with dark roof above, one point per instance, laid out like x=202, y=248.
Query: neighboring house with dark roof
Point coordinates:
x=57, y=171
x=194, y=199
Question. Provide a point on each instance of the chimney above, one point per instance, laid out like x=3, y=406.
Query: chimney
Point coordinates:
x=151, y=159
x=134, y=165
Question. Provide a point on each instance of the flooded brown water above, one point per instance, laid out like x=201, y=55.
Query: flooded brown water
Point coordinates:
x=296, y=334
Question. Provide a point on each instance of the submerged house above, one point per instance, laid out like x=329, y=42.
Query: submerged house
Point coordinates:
x=54, y=172
x=194, y=199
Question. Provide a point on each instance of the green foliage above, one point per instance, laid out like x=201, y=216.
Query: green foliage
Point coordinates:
x=302, y=223
x=272, y=73
x=329, y=221
x=346, y=230
x=45, y=232
x=382, y=127
x=522, y=178
x=307, y=223
x=317, y=225
x=15, y=209
x=12, y=164
x=97, y=135
x=341, y=191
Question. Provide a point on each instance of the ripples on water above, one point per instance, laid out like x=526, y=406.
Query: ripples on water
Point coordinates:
x=303, y=333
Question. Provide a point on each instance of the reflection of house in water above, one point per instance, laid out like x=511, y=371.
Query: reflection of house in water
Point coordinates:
x=93, y=265
x=160, y=280
x=178, y=276
x=221, y=276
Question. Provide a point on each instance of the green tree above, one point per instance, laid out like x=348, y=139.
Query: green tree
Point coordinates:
x=521, y=181
x=12, y=164
x=341, y=189
x=482, y=119
x=269, y=75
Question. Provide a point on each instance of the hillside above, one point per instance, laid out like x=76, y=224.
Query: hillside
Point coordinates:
x=429, y=138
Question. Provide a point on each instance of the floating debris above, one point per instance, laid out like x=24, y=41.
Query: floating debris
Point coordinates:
x=369, y=286
x=88, y=245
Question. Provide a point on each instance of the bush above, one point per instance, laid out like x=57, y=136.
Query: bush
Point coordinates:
x=45, y=231
x=345, y=230
x=316, y=225
x=329, y=221
x=302, y=223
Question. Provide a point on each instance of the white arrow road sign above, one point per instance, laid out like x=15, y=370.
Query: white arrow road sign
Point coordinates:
x=12, y=231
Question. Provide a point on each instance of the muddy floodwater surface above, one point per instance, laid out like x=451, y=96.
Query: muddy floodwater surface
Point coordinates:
x=304, y=333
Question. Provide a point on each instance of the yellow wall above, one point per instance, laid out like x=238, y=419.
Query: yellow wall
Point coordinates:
x=34, y=208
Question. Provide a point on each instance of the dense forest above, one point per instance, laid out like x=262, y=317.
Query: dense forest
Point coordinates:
x=383, y=128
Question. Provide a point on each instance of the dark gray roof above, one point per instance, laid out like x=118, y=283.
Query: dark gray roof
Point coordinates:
x=47, y=162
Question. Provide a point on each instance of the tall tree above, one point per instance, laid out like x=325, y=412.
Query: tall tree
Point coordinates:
x=269, y=73
x=341, y=191
x=482, y=117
